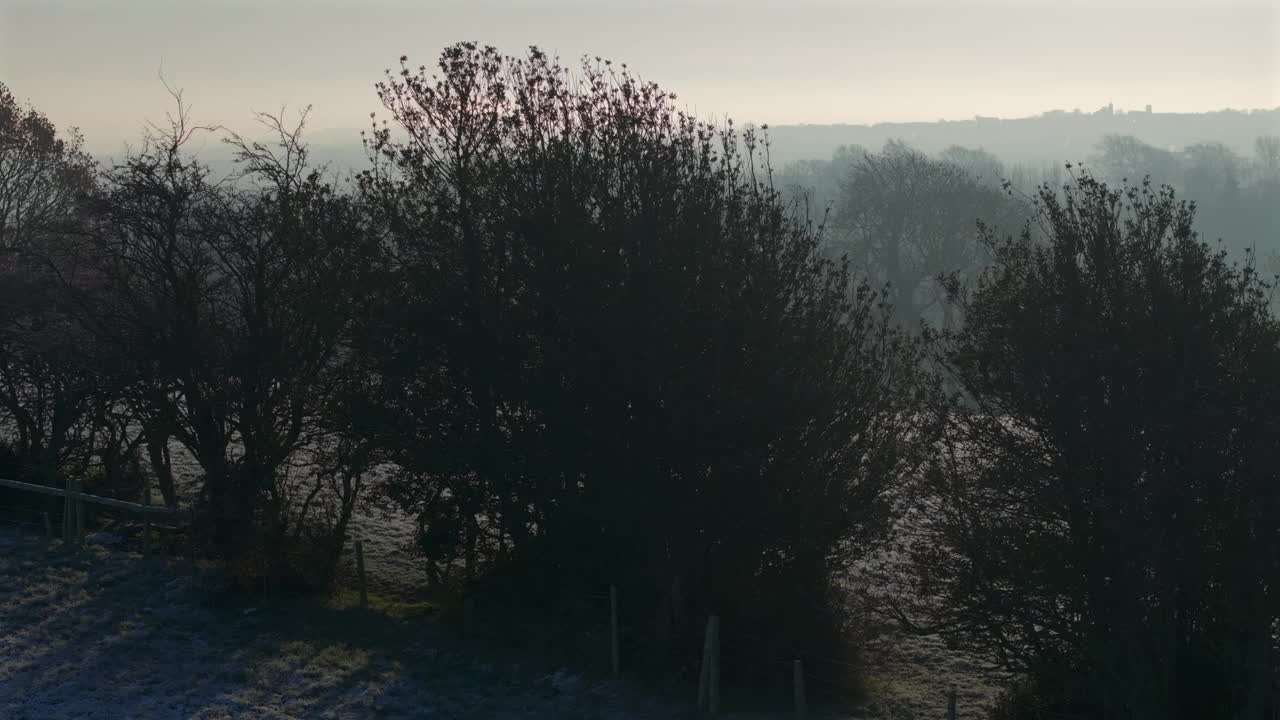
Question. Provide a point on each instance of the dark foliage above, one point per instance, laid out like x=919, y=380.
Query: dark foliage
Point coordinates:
x=222, y=312
x=49, y=397
x=1104, y=520
x=613, y=356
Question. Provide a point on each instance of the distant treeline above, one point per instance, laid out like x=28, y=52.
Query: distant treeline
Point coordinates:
x=1053, y=137
x=1237, y=199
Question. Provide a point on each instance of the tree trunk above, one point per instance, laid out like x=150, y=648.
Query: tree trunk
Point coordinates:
x=162, y=465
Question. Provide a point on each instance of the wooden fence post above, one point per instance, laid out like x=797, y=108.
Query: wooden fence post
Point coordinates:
x=79, y=515
x=364, y=590
x=613, y=630
x=797, y=681
x=951, y=704
x=146, y=521
x=468, y=618
x=713, y=675
x=68, y=522
x=704, y=670
x=191, y=537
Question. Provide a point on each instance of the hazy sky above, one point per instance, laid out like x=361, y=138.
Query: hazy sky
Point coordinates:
x=93, y=63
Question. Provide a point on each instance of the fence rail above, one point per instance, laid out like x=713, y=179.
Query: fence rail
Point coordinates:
x=86, y=497
x=73, y=516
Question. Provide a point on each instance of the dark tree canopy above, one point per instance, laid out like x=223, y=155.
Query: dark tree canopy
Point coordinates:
x=43, y=174
x=48, y=396
x=223, y=313
x=614, y=355
x=1105, y=519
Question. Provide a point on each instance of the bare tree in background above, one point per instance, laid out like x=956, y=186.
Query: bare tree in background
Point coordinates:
x=904, y=218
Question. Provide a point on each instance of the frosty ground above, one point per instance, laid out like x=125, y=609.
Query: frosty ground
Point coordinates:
x=103, y=634
x=100, y=633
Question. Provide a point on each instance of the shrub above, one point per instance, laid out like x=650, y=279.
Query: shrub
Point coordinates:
x=612, y=355
x=1108, y=503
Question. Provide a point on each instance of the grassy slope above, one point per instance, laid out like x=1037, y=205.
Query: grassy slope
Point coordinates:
x=103, y=634
x=99, y=634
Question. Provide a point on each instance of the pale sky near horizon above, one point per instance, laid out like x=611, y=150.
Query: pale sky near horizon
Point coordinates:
x=94, y=63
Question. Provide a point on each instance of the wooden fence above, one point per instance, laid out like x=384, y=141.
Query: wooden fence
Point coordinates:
x=73, y=516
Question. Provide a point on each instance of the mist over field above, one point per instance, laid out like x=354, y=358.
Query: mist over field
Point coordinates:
x=558, y=359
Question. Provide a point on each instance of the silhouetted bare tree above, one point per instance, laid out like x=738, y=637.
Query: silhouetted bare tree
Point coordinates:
x=904, y=218
x=226, y=311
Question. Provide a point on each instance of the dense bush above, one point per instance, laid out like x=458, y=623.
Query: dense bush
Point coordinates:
x=47, y=392
x=1105, y=520
x=148, y=303
x=224, y=312
x=613, y=355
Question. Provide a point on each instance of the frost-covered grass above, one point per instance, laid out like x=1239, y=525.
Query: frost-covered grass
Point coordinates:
x=94, y=633
x=100, y=634
x=904, y=675
x=103, y=634
x=908, y=677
